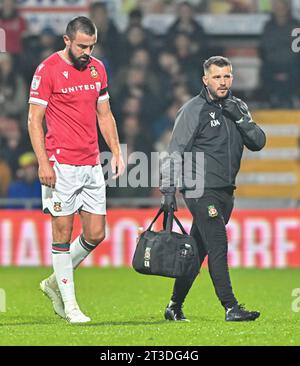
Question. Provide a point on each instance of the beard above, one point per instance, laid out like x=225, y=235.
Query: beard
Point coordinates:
x=215, y=96
x=80, y=63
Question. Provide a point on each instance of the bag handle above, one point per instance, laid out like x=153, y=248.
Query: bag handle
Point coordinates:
x=168, y=224
x=160, y=211
x=169, y=217
x=180, y=225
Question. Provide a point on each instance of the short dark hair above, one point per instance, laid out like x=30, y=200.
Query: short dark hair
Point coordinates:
x=216, y=60
x=80, y=24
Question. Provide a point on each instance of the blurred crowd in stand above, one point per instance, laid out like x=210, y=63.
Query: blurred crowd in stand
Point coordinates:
x=150, y=78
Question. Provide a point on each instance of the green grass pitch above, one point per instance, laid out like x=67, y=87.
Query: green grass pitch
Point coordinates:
x=127, y=309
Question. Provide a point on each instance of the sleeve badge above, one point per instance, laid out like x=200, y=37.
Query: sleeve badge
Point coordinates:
x=36, y=80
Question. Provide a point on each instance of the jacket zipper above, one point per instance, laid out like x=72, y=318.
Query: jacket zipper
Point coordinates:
x=229, y=150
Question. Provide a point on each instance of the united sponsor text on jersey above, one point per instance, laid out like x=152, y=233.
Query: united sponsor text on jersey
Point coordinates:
x=76, y=88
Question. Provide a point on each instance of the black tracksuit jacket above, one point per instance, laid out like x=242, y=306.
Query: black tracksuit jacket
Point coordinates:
x=201, y=126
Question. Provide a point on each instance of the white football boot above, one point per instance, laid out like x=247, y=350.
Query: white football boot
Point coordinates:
x=53, y=293
x=75, y=316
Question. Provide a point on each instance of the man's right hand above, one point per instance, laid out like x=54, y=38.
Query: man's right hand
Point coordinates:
x=47, y=175
x=168, y=201
x=236, y=109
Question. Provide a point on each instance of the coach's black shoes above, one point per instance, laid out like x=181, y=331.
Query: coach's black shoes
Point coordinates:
x=174, y=312
x=238, y=313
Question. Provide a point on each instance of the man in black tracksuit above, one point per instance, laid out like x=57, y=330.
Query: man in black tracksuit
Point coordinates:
x=219, y=125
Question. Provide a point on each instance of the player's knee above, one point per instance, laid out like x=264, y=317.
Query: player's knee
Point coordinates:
x=96, y=237
x=63, y=235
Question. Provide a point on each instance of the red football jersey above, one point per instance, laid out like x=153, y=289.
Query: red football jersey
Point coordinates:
x=70, y=97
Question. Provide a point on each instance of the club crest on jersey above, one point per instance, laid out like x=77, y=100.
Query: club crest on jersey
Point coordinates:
x=212, y=211
x=36, y=82
x=57, y=206
x=94, y=72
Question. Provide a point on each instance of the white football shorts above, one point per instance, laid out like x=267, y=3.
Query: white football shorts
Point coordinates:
x=77, y=188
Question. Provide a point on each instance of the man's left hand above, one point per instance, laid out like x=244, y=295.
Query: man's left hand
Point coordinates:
x=236, y=110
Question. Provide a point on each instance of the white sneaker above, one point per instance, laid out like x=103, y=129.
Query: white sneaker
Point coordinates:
x=75, y=316
x=53, y=293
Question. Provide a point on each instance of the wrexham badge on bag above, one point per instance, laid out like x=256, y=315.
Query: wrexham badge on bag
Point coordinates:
x=147, y=257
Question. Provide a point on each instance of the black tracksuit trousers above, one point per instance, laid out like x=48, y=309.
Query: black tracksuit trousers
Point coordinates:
x=210, y=213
